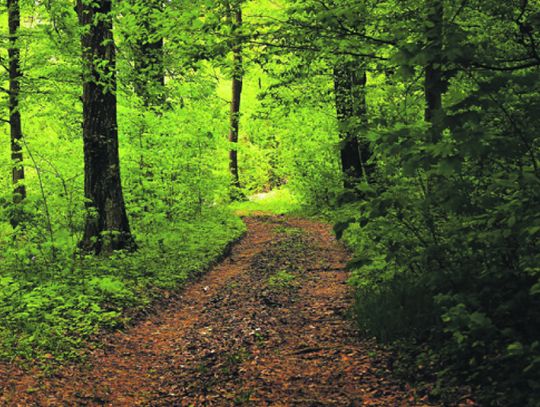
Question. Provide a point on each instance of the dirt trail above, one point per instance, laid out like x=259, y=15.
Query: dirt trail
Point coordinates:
x=267, y=326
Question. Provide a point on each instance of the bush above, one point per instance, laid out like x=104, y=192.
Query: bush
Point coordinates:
x=447, y=246
x=55, y=308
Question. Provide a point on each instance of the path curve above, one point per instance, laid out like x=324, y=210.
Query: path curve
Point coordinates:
x=266, y=327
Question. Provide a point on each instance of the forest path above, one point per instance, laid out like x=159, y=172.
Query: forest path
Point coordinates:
x=267, y=326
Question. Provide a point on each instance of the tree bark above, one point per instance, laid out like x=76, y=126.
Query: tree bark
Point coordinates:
x=14, y=22
x=434, y=84
x=237, y=84
x=149, y=56
x=107, y=227
x=350, y=81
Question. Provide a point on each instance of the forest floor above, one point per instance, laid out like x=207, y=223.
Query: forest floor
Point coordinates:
x=267, y=326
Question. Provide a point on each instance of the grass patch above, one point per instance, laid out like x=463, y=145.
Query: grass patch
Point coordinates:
x=278, y=201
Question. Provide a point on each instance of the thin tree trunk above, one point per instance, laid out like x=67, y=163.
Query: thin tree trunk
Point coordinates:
x=107, y=227
x=434, y=85
x=149, y=74
x=237, y=84
x=14, y=22
x=152, y=91
x=149, y=56
x=350, y=94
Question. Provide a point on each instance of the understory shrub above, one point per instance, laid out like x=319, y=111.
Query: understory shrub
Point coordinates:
x=54, y=309
x=447, y=244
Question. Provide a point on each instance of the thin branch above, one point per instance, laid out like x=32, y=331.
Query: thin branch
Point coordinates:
x=316, y=49
x=507, y=68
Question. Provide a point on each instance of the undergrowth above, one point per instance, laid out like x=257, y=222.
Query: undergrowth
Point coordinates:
x=279, y=202
x=460, y=320
x=50, y=310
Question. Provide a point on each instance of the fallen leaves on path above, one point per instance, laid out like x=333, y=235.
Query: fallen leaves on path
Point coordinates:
x=266, y=327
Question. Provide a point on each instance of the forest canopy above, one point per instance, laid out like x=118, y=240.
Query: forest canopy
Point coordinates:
x=129, y=126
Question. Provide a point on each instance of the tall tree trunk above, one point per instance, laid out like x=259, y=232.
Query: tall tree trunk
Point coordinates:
x=434, y=84
x=350, y=94
x=237, y=84
x=107, y=227
x=149, y=55
x=14, y=22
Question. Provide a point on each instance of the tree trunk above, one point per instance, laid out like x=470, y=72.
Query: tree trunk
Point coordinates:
x=149, y=56
x=434, y=85
x=237, y=83
x=350, y=94
x=107, y=227
x=14, y=22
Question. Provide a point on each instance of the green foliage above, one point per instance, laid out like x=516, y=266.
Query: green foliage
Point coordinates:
x=447, y=248
x=277, y=201
x=445, y=236
x=55, y=308
x=444, y=233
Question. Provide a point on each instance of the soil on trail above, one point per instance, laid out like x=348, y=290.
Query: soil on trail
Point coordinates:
x=268, y=326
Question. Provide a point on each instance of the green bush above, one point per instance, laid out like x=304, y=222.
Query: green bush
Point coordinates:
x=55, y=308
x=446, y=245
